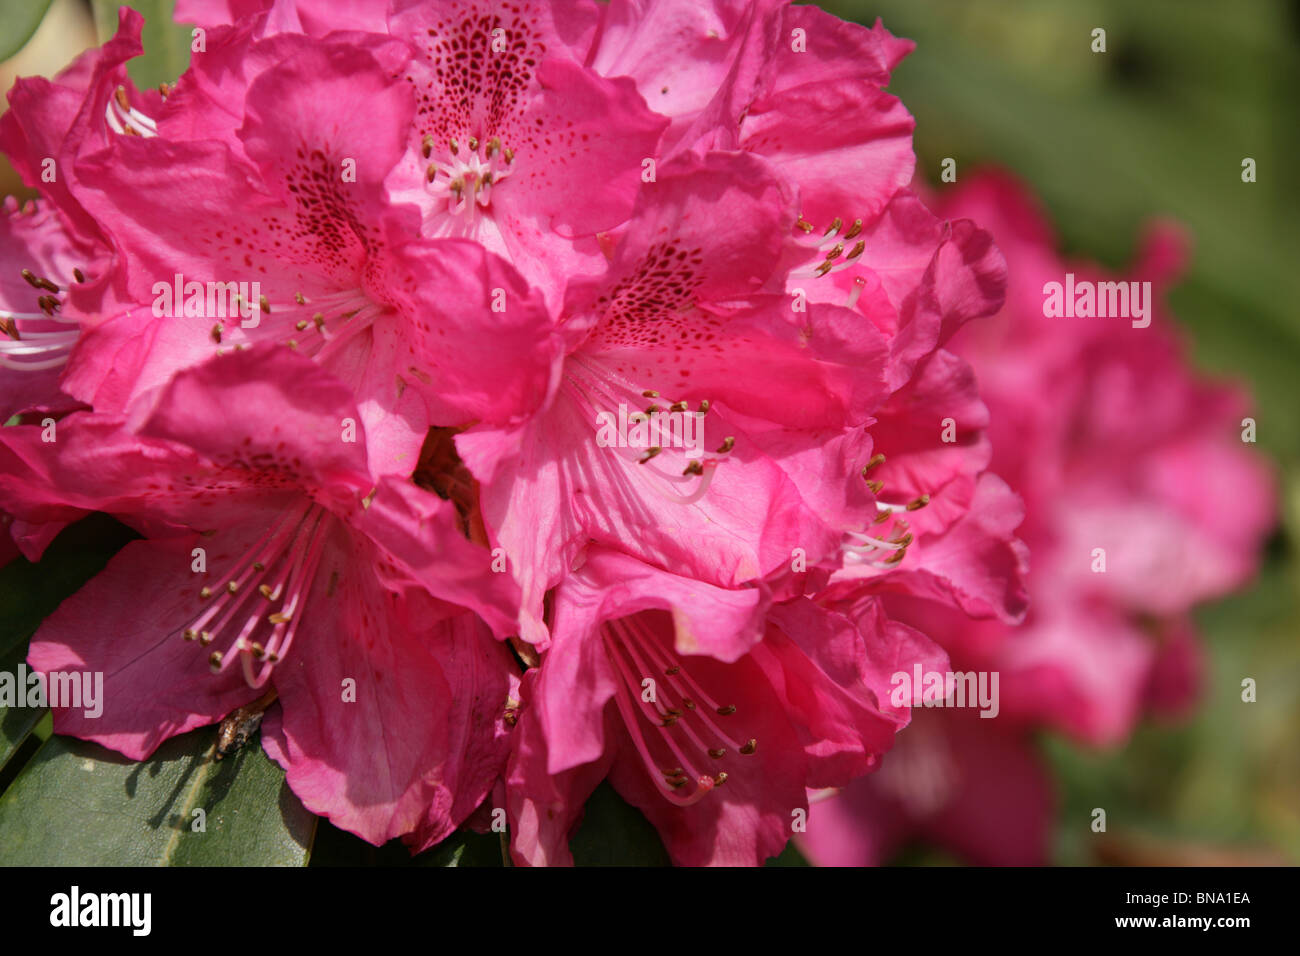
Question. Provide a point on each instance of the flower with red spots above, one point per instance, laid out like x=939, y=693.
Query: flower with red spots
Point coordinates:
x=639, y=291
x=275, y=567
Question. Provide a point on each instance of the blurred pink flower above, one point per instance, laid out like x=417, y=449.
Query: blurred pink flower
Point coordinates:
x=1114, y=443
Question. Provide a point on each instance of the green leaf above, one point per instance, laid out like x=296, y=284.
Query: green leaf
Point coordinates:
x=29, y=592
x=77, y=804
x=21, y=18
x=464, y=848
x=166, y=44
x=614, y=833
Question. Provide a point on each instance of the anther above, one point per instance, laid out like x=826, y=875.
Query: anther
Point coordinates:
x=875, y=486
x=205, y=592
x=426, y=146
x=216, y=333
x=78, y=275
x=728, y=443
x=694, y=468
x=854, y=229
x=719, y=753
x=120, y=95
x=727, y=711
x=750, y=747
x=232, y=587
x=876, y=459
x=430, y=173
x=264, y=305
x=649, y=453
x=214, y=661
x=918, y=503
x=299, y=298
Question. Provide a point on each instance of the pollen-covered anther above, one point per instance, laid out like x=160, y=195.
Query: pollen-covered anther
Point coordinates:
x=917, y=503
x=749, y=747
x=465, y=178
x=281, y=565
x=875, y=485
x=728, y=443
x=650, y=453
x=125, y=119
x=673, y=737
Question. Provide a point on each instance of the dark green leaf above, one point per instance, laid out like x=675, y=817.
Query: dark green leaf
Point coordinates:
x=21, y=18
x=77, y=804
x=614, y=833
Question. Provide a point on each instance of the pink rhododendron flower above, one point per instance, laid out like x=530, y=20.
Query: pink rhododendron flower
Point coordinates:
x=638, y=289
x=706, y=713
x=39, y=261
x=1104, y=458
x=273, y=561
x=692, y=318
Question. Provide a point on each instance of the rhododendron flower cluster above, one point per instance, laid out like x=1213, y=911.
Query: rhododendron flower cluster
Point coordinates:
x=1124, y=546
x=339, y=321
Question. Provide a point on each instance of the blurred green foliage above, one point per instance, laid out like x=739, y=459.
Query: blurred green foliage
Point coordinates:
x=1157, y=126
